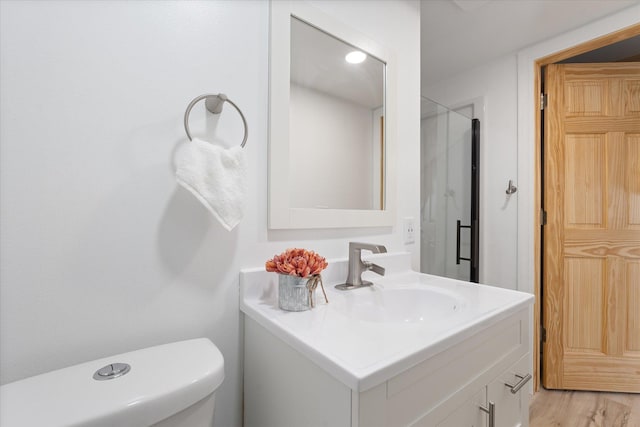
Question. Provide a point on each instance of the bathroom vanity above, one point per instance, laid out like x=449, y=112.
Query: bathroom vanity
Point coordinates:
x=412, y=349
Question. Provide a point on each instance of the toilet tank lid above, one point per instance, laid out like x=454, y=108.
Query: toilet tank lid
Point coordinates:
x=163, y=380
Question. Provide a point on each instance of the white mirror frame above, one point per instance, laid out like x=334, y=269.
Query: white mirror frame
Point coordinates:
x=281, y=214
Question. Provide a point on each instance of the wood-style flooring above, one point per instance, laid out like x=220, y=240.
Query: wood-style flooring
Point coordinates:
x=552, y=408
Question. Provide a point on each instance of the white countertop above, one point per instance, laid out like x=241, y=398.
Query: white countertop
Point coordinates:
x=364, y=353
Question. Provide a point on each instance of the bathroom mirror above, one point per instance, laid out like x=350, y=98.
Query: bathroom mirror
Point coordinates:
x=331, y=123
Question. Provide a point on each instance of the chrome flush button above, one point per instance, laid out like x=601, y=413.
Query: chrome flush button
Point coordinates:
x=111, y=371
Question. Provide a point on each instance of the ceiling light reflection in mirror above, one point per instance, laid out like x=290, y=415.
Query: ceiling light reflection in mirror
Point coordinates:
x=355, y=57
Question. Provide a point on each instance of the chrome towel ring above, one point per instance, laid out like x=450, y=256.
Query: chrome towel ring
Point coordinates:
x=214, y=105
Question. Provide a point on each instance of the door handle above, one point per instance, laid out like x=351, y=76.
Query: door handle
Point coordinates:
x=492, y=413
x=517, y=386
x=458, y=227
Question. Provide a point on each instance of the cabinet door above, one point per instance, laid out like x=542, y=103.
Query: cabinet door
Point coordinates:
x=469, y=414
x=511, y=409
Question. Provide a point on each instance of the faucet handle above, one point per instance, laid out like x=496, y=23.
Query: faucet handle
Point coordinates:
x=373, y=267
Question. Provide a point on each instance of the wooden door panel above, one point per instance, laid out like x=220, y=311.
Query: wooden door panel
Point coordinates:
x=591, y=306
x=615, y=308
x=633, y=308
x=585, y=98
x=602, y=243
x=632, y=94
x=617, y=212
x=591, y=372
x=583, y=304
x=602, y=125
x=633, y=178
x=584, y=173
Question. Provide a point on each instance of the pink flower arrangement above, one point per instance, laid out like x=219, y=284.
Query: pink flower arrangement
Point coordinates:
x=297, y=262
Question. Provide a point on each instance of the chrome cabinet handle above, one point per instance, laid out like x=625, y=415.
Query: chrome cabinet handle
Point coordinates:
x=516, y=387
x=492, y=413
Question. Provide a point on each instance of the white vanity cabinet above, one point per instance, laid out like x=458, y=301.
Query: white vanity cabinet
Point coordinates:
x=510, y=394
x=283, y=387
x=469, y=414
x=510, y=409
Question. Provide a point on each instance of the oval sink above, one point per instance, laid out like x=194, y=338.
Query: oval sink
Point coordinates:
x=400, y=305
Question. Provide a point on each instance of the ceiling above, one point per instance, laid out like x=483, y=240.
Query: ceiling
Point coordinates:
x=457, y=35
x=318, y=63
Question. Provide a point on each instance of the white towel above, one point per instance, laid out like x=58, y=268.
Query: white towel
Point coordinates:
x=217, y=176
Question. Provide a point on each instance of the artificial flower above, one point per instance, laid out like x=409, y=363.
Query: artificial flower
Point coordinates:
x=297, y=262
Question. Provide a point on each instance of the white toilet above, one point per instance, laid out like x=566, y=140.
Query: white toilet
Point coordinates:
x=167, y=385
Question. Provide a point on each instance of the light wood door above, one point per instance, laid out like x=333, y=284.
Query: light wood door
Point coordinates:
x=591, y=280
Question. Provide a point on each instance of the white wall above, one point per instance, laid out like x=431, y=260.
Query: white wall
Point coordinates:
x=494, y=85
x=101, y=252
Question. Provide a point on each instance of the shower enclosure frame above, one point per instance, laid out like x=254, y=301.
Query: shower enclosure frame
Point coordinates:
x=450, y=192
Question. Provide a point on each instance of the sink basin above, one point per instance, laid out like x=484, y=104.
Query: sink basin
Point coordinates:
x=407, y=305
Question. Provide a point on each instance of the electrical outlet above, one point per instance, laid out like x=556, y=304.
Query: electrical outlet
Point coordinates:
x=408, y=230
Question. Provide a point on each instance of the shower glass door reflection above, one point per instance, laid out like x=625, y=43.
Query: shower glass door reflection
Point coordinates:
x=449, y=192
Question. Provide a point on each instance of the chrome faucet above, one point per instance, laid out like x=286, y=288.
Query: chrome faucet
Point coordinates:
x=357, y=266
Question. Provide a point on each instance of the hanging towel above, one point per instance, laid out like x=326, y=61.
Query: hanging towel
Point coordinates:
x=217, y=176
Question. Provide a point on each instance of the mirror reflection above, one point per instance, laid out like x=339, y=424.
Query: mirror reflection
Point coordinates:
x=336, y=123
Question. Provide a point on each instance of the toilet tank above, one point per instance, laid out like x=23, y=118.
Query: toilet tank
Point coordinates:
x=162, y=382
